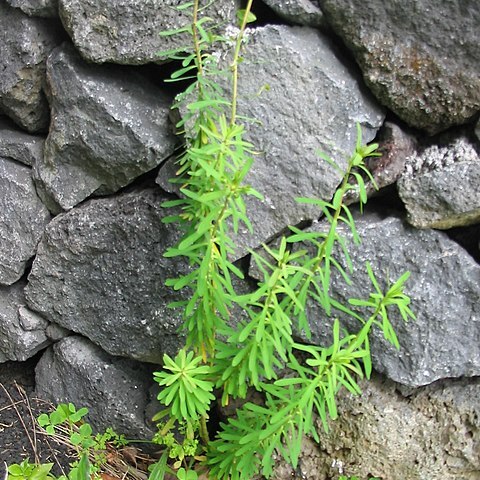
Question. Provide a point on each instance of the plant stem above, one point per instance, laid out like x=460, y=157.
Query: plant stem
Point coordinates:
x=204, y=430
x=234, y=65
x=196, y=44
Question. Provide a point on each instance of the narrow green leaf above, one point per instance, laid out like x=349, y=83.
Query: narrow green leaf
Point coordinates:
x=250, y=17
x=159, y=469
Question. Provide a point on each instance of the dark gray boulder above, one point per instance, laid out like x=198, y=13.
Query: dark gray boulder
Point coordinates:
x=18, y=145
x=115, y=390
x=420, y=58
x=443, y=286
x=23, y=218
x=306, y=99
x=314, y=101
x=36, y=8
x=100, y=271
x=22, y=332
x=109, y=125
x=26, y=43
x=128, y=31
x=301, y=12
x=440, y=186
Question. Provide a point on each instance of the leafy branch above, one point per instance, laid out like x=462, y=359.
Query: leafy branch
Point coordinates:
x=260, y=350
x=211, y=171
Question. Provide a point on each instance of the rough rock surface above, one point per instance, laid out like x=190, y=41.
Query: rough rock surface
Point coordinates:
x=26, y=43
x=301, y=12
x=420, y=58
x=113, y=389
x=443, y=286
x=127, y=31
x=395, y=146
x=429, y=433
x=22, y=332
x=23, y=218
x=440, y=187
x=312, y=104
x=36, y=8
x=18, y=145
x=109, y=125
x=392, y=433
x=100, y=271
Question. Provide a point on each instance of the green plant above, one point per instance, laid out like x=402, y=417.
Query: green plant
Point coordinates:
x=30, y=471
x=259, y=350
x=91, y=449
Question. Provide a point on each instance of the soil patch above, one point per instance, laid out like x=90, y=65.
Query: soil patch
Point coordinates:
x=20, y=436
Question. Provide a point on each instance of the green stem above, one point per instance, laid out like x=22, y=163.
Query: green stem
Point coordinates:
x=204, y=430
x=234, y=65
x=332, y=230
x=196, y=45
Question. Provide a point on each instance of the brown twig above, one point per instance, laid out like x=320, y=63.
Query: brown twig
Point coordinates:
x=24, y=396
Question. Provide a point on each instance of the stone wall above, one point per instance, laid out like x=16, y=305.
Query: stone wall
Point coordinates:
x=86, y=149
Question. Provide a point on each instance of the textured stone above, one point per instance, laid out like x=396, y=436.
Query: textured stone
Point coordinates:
x=440, y=187
x=113, y=389
x=312, y=103
x=301, y=12
x=36, y=8
x=22, y=332
x=109, y=125
x=428, y=433
x=127, y=31
x=18, y=145
x=100, y=271
x=420, y=58
x=56, y=332
x=22, y=220
x=443, y=287
x=26, y=43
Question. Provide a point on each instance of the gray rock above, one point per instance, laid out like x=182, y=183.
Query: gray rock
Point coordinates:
x=420, y=58
x=116, y=130
x=440, y=187
x=36, y=8
x=127, y=31
x=100, y=271
x=26, y=43
x=22, y=332
x=428, y=433
x=301, y=12
x=56, y=332
x=113, y=389
x=312, y=103
x=443, y=287
x=477, y=130
x=18, y=145
x=23, y=218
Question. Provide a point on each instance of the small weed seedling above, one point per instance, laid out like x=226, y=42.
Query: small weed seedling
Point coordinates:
x=91, y=448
